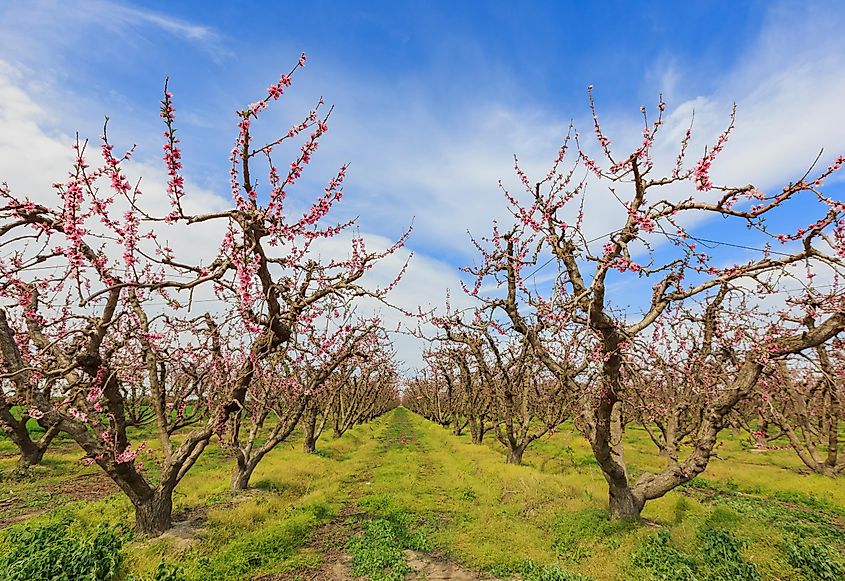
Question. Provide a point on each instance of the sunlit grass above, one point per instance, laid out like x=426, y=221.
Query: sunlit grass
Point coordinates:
x=463, y=501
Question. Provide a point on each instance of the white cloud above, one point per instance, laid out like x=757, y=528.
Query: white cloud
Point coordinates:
x=70, y=25
x=129, y=16
x=32, y=158
x=414, y=154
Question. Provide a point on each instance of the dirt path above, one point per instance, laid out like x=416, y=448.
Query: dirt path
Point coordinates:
x=430, y=568
x=330, y=541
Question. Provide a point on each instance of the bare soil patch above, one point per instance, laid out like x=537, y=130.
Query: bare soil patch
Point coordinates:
x=85, y=487
x=17, y=508
x=433, y=568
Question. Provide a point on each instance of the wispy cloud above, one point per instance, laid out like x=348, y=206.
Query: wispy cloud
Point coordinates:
x=129, y=17
x=132, y=16
x=415, y=154
x=50, y=31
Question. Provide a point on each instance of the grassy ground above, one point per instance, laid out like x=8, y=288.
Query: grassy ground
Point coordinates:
x=402, y=483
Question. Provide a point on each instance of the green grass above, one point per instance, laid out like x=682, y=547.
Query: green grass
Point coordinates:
x=60, y=551
x=414, y=485
x=378, y=552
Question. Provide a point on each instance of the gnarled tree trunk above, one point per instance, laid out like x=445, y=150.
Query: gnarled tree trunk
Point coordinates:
x=623, y=503
x=153, y=515
x=309, y=442
x=242, y=474
x=515, y=455
x=31, y=451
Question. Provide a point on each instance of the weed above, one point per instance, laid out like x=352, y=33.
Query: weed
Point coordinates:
x=802, y=515
x=665, y=563
x=269, y=486
x=723, y=518
x=682, y=507
x=163, y=572
x=53, y=552
x=531, y=571
x=575, y=531
x=218, y=498
x=263, y=549
x=816, y=561
x=378, y=552
x=16, y=474
x=722, y=553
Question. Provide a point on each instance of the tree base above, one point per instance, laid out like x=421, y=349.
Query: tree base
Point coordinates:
x=154, y=516
x=515, y=457
x=624, y=505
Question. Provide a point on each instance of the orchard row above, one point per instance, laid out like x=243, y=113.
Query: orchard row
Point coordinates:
x=100, y=329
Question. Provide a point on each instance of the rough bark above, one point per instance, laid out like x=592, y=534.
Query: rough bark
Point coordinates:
x=515, y=455
x=476, y=429
x=624, y=504
x=153, y=515
x=309, y=441
x=242, y=475
x=31, y=450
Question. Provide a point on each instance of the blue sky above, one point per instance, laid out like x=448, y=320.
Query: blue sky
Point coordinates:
x=431, y=98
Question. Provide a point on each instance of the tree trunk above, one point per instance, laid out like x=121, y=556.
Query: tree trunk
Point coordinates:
x=153, y=515
x=309, y=443
x=833, y=441
x=763, y=434
x=515, y=455
x=241, y=475
x=624, y=505
x=475, y=430
x=31, y=456
x=32, y=451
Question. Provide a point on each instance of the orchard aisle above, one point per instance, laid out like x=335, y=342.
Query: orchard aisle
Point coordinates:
x=379, y=533
x=431, y=505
